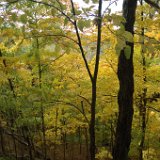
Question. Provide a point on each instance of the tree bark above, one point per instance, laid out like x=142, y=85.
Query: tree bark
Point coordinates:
x=94, y=85
x=143, y=123
x=143, y=99
x=125, y=95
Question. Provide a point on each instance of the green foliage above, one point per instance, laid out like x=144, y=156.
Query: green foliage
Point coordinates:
x=42, y=51
x=121, y=44
x=7, y=158
x=127, y=51
x=83, y=24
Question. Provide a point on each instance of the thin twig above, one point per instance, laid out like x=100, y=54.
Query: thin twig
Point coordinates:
x=76, y=107
x=153, y=108
x=85, y=99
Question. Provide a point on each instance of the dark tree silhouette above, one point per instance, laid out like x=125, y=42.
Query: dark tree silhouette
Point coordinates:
x=125, y=95
x=126, y=81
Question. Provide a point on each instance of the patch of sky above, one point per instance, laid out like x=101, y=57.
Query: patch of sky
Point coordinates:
x=113, y=5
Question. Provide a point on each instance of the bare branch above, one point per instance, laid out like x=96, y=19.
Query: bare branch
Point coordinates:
x=98, y=49
x=111, y=66
x=153, y=109
x=109, y=95
x=85, y=99
x=110, y=3
x=80, y=43
x=52, y=61
x=76, y=107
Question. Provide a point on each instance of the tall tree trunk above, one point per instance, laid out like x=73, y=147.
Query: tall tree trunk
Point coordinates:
x=94, y=85
x=125, y=95
x=93, y=77
x=143, y=100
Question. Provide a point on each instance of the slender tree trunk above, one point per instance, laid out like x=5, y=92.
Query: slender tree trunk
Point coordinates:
x=93, y=77
x=125, y=95
x=94, y=85
x=143, y=123
x=92, y=123
x=143, y=100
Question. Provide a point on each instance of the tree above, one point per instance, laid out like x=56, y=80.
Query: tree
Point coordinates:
x=126, y=82
x=78, y=26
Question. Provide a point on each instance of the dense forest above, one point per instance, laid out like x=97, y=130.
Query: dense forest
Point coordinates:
x=79, y=81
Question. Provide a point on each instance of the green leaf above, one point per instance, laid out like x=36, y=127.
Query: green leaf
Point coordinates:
x=78, y=12
x=117, y=19
x=80, y=25
x=120, y=45
x=83, y=24
x=66, y=21
x=120, y=31
x=63, y=6
x=127, y=52
x=87, y=23
x=128, y=36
